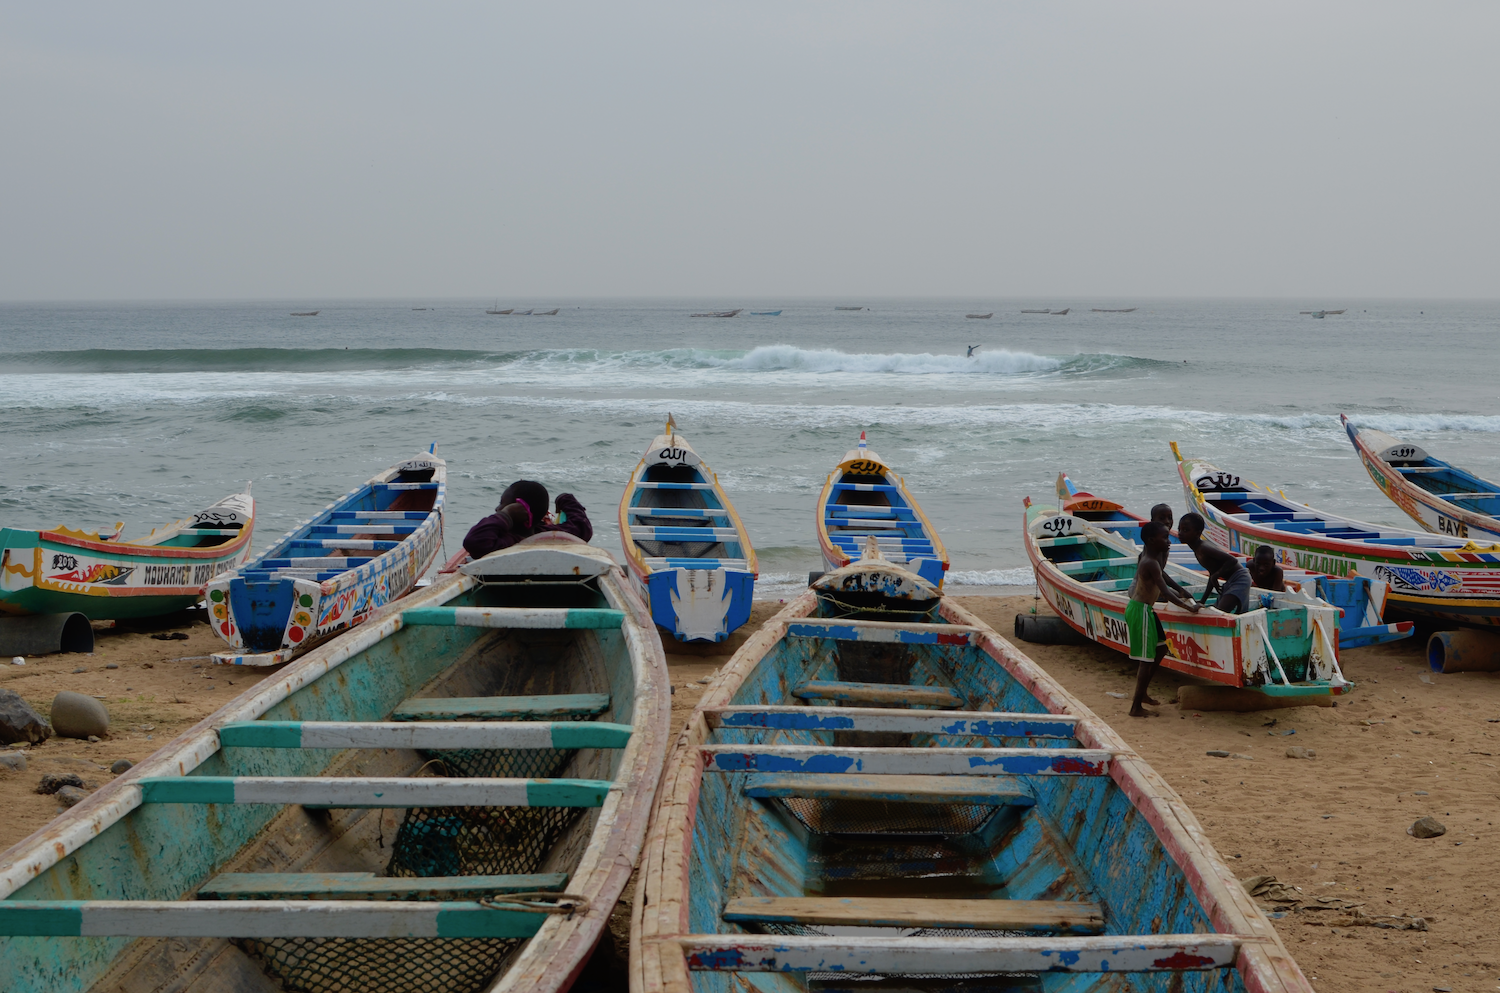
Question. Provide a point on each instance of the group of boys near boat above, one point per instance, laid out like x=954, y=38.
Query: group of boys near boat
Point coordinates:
x=1226, y=575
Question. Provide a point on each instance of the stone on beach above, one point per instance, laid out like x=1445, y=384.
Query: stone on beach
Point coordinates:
x=77, y=716
x=1301, y=752
x=70, y=795
x=13, y=761
x=121, y=765
x=1427, y=827
x=54, y=781
x=19, y=722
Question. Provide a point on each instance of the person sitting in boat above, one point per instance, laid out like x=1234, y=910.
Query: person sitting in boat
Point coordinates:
x=1148, y=642
x=521, y=513
x=1264, y=572
x=1226, y=573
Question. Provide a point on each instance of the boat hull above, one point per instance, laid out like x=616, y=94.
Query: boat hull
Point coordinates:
x=699, y=604
x=865, y=499
x=1428, y=509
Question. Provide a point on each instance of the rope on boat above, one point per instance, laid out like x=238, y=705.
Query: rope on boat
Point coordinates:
x=537, y=902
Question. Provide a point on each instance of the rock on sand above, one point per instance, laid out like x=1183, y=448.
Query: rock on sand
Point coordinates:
x=18, y=722
x=69, y=795
x=77, y=716
x=1427, y=827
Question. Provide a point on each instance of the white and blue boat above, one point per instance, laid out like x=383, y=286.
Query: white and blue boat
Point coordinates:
x=364, y=550
x=685, y=547
x=864, y=499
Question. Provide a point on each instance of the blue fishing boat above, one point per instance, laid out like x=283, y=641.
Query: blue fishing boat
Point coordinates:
x=1438, y=495
x=765, y=313
x=364, y=550
x=878, y=792
x=448, y=798
x=686, y=548
x=863, y=499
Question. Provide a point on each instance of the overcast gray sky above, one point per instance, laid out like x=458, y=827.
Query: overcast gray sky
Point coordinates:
x=152, y=150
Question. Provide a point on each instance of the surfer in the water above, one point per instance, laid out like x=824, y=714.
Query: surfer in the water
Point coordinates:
x=971, y=351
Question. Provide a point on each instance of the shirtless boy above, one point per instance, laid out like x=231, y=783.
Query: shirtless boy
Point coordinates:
x=1148, y=642
x=1264, y=572
x=1225, y=571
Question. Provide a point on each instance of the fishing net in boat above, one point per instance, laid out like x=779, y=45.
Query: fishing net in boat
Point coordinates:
x=434, y=841
x=866, y=817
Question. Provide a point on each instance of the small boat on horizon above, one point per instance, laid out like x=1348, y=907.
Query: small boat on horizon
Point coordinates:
x=1061, y=313
x=765, y=313
x=305, y=313
x=1036, y=311
x=547, y=313
x=848, y=308
x=720, y=313
x=1320, y=313
x=980, y=317
x=506, y=311
x=1113, y=310
x=419, y=308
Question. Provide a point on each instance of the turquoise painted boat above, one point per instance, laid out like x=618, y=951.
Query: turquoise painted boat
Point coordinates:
x=107, y=577
x=330, y=573
x=878, y=792
x=1438, y=495
x=448, y=798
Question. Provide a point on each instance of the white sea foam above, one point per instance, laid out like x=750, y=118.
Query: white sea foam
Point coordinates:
x=768, y=358
x=1020, y=576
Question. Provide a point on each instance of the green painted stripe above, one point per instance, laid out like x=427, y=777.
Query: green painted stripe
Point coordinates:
x=262, y=734
x=187, y=789
x=589, y=734
x=48, y=918
x=470, y=920
x=566, y=792
x=593, y=617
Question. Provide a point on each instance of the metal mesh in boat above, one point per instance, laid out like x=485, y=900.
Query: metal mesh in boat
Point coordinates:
x=389, y=965
x=838, y=816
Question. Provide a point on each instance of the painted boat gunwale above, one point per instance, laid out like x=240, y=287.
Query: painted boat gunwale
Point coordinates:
x=1378, y=470
x=659, y=912
x=835, y=557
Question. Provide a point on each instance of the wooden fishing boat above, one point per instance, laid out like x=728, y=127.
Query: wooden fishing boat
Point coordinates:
x=863, y=498
x=765, y=313
x=686, y=548
x=1425, y=576
x=449, y=799
x=1359, y=599
x=878, y=792
x=1289, y=648
x=1113, y=310
x=719, y=313
x=848, y=308
x=1046, y=311
x=1441, y=497
x=106, y=577
x=980, y=317
x=364, y=550
x=305, y=313
x=547, y=313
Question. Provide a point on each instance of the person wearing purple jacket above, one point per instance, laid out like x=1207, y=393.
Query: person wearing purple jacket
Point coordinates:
x=521, y=513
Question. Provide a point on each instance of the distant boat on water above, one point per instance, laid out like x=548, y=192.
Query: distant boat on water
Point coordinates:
x=304, y=313
x=765, y=313
x=722, y=313
x=547, y=313
x=1319, y=313
x=1061, y=313
x=981, y=317
x=523, y=313
x=419, y=308
x=1108, y=310
x=1036, y=311
x=848, y=308
x=506, y=311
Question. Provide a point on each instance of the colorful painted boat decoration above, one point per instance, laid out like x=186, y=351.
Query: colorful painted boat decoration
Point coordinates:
x=1426, y=576
x=106, y=577
x=1360, y=600
x=1441, y=497
x=864, y=498
x=449, y=797
x=1084, y=573
x=364, y=550
x=685, y=547
x=878, y=791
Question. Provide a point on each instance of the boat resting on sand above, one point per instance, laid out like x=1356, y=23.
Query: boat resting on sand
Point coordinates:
x=1427, y=576
x=364, y=550
x=106, y=577
x=1441, y=497
x=863, y=498
x=1359, y=600
x=879, y=792
x=1084, y=573
x=686, y=549
x=448, y=798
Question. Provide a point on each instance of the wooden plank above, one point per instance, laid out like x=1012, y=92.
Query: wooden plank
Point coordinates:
x=927, y=696
x=454, y=708
x=643, y=485
x=383, y=791
x=907, y=761
x=669, y=534
x=263, y=919
x=840, y=953
x=1090, y=565
x=1050, y=916
x=952, y=722
x=996, y=791
x=882, y=631
x=677, y=512
x=531, y=618
x=368, y=886
x=411, y=734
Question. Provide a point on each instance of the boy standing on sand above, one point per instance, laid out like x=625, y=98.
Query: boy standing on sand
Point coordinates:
x=1148, y=642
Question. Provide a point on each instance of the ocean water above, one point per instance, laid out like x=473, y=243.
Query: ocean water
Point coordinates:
x=145, y=412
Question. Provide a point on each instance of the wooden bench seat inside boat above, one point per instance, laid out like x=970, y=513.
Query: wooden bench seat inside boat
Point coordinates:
x=388, y=792
x=949, y=722
x=499, y=708
x=929, y=696
x=368, y=886
x=1053, y=916
x=996, y=791
x=425, y=734
x=1091, y=565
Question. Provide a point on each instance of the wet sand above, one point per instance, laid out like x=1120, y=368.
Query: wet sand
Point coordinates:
x=1399, y=747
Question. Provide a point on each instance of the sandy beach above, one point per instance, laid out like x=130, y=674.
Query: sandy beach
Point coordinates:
x=1405, y=743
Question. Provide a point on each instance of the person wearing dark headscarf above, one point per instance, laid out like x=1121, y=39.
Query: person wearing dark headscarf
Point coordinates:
x=521, y=513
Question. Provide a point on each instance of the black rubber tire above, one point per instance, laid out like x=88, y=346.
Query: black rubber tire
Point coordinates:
x=1045, y=629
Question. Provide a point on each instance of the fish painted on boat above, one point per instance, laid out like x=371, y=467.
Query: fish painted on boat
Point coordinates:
x=864, y=498
x=450, y=797
x=878, y=791
x=1441, y=497
x=107, y=577
x=363, y=551
x=1428, y=576
x=686, y=548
